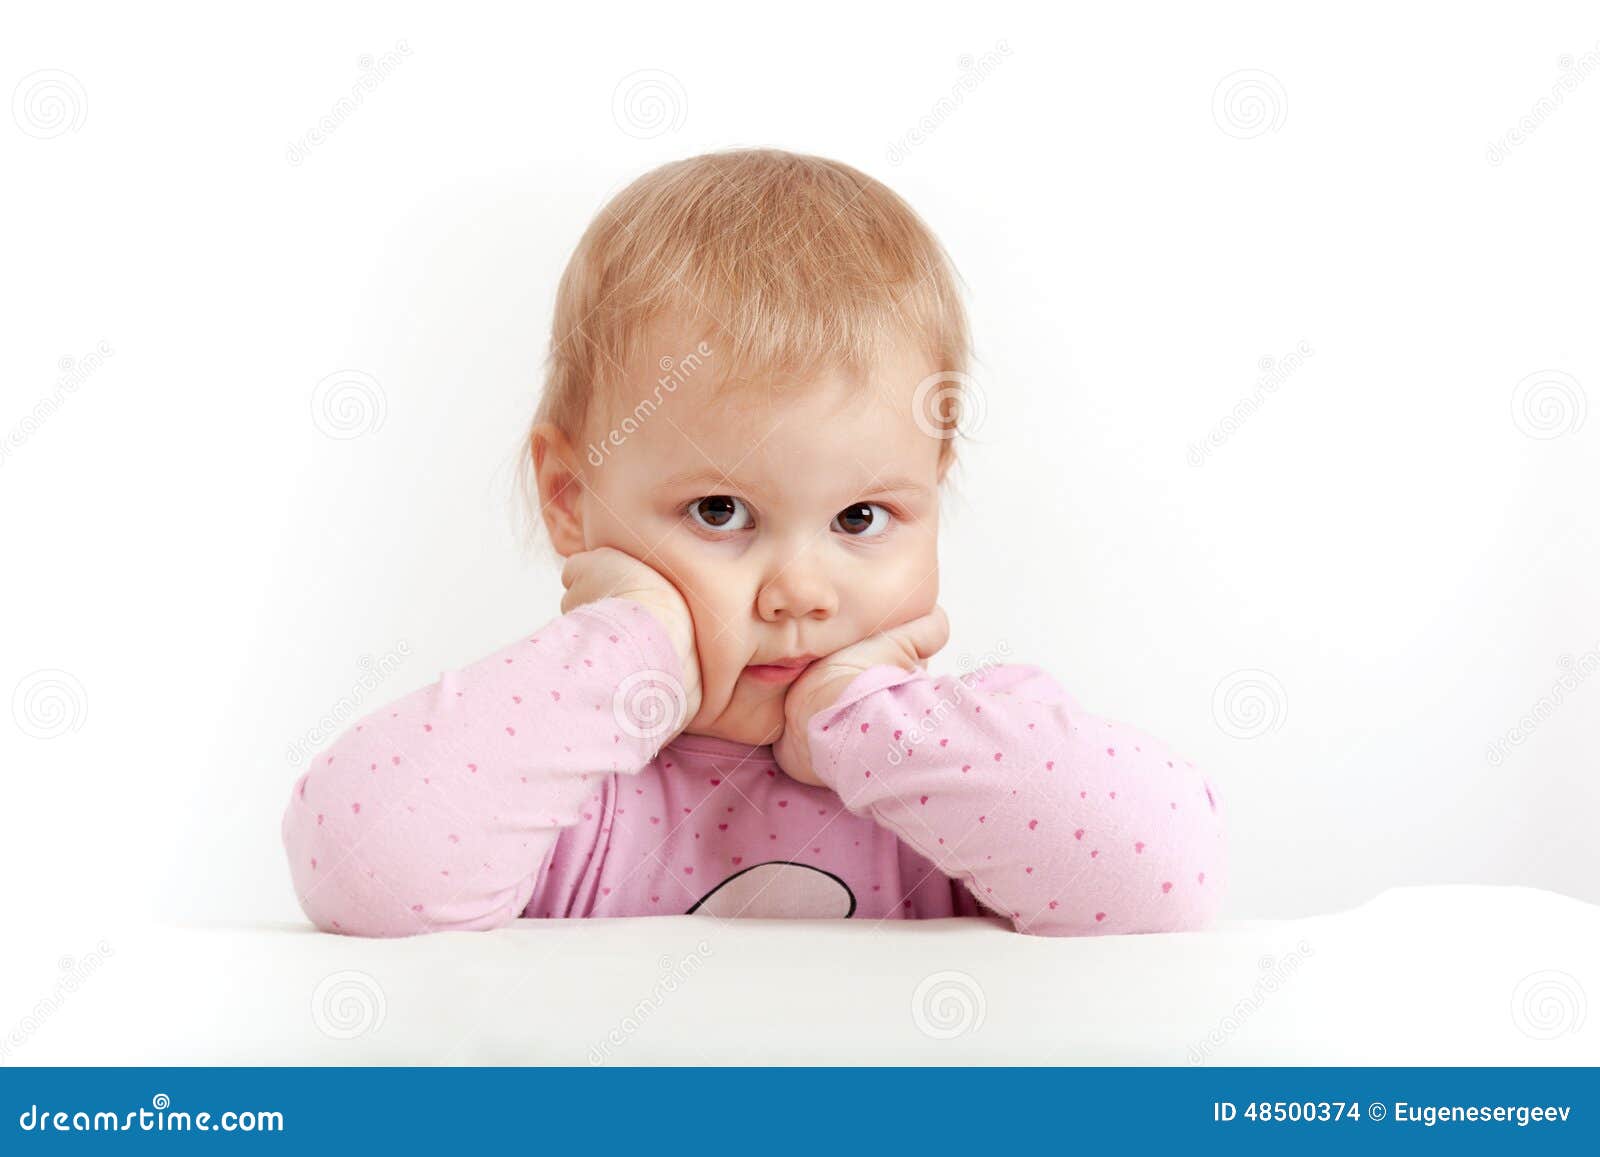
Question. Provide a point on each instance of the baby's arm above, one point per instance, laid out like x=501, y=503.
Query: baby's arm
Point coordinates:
x=1062, y=821
x=440, y=810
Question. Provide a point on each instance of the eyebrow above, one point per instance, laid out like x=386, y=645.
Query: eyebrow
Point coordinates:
x=890, y=484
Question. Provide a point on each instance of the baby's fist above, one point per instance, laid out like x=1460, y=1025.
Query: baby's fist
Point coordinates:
x=606, y=572
x=909, y=645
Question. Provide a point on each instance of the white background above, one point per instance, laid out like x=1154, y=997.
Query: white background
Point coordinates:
x=1399, y=553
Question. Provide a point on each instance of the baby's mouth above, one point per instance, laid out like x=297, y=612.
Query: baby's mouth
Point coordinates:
x=780, y=671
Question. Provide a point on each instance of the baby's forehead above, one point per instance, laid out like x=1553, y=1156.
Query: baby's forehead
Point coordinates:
x=817, y=431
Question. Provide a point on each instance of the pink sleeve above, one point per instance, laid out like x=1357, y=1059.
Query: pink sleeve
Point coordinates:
x=1065, y=822
x=439, y=811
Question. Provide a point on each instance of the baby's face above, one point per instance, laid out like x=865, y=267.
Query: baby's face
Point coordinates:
x=796, y=518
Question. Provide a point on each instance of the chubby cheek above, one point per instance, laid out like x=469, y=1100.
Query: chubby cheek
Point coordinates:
x=720, y=601
x=723, y=653
x=904, y=589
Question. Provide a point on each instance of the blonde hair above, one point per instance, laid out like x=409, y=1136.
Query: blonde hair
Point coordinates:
x=791, y=263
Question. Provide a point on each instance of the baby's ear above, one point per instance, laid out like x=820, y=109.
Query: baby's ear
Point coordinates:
x=556, y=471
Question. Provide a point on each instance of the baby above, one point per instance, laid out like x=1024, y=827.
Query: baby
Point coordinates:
x=755, y=379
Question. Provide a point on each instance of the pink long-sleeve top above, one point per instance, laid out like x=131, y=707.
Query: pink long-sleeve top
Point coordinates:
x=521, y=786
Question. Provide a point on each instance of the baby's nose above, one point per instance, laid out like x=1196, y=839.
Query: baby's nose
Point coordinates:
x=798, y=589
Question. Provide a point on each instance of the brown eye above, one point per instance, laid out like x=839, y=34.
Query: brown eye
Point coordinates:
x=720, y=512
x=863, y=520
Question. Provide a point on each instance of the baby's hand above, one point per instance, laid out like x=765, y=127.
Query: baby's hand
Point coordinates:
x=909, y=645
x=605, y=572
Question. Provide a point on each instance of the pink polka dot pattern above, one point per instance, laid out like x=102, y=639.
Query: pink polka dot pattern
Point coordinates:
x=1073, y=825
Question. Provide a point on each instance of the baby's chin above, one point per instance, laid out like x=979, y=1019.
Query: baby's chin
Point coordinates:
x=753, y=736
x=753, y=716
